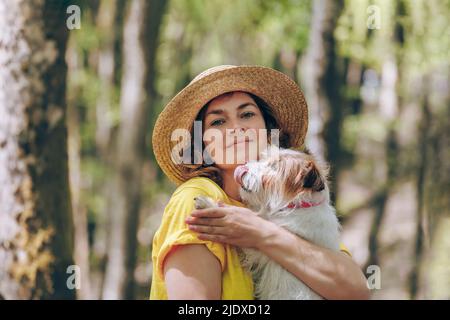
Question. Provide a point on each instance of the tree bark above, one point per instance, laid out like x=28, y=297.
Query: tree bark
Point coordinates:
x=36, y=229
x=388, y=106
x=108, y=26
x=106, y=73
x=321, y=80
x=79, y=210
x=432, y=188
x=140, y=42
x=424, y=129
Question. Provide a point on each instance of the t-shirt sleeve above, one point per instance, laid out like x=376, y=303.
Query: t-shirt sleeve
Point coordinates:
x=343, y=248
x=174, y=231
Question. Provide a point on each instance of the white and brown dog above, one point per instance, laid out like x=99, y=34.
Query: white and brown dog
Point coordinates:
x=290, y=189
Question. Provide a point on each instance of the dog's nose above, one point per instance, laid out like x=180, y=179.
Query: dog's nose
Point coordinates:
x=239, y=173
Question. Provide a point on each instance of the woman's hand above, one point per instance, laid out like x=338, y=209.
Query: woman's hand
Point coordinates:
x=333, y=275
x=229, y=224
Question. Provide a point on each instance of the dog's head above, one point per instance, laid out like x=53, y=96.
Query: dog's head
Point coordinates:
x=282, y=176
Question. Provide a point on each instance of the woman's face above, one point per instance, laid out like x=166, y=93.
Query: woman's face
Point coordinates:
x=231, y=125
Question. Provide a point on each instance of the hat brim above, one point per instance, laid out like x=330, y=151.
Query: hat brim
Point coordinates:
x=279, y=91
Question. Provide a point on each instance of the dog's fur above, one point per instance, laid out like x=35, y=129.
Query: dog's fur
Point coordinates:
x=280, y=177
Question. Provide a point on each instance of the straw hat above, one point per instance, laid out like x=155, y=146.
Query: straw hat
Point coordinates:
x=279, y=91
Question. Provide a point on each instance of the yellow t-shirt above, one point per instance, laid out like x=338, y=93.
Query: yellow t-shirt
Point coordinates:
x=237, y=283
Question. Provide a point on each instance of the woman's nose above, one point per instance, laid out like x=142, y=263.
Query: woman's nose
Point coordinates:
x=237, y=129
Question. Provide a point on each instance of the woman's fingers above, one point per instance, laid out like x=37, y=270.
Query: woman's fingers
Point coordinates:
x=205, y=221
x=209, y=213
x=216, y=230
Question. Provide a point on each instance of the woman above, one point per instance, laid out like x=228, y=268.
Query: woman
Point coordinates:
x=195, y=251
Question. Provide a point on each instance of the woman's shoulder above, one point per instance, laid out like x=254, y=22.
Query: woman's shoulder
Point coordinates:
x=182, y=199
x=181, y=203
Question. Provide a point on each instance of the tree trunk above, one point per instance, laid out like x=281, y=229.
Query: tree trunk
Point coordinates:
x=424, y=130
x=432, y=188
x=36, y=230
x=81, y=245
x=140, y=43
x=321, y=80
x=109, y=26
x=388, y=106
x=106, y=67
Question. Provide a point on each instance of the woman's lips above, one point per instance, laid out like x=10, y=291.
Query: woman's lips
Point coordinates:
x=239, y=173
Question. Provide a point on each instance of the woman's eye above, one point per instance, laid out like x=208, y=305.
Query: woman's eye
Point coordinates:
x=248, y=114
x=217, y=122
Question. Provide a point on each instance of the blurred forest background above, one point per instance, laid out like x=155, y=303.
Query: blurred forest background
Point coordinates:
x=376, y=77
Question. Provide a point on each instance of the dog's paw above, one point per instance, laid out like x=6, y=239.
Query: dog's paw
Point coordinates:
x=203, y=202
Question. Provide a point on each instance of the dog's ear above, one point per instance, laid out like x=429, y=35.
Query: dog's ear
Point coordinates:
x=307, y=177
x=313, y=179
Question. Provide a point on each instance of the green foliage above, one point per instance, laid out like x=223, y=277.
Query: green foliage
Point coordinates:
x=198, y=34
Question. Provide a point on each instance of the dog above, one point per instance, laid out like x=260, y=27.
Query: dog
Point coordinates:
x=289, y=188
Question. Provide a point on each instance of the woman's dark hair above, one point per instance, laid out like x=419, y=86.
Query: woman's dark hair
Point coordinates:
x=211, y=171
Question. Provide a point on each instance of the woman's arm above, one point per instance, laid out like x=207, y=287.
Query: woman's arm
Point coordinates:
x=333, y=275
x=192, y=272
